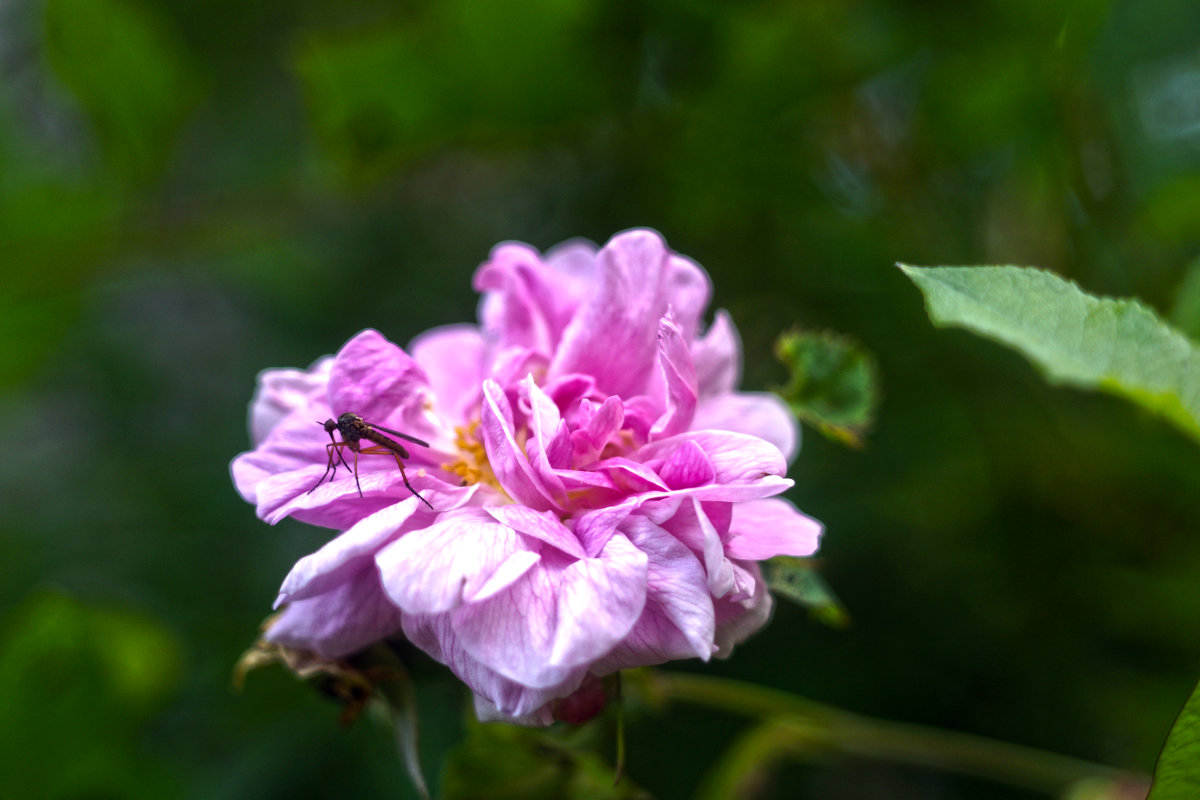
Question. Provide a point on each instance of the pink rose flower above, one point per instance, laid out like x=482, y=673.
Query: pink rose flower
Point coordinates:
x=598, y=490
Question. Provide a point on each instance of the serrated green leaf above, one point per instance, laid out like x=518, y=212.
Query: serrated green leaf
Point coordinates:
x=798, y=580
x=832, y=383
x=1117, y=346
x=1177, y=774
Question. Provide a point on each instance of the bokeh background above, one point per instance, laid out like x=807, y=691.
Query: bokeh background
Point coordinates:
x=191, y=192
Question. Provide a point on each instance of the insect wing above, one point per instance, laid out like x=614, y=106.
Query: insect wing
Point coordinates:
x=412, y=439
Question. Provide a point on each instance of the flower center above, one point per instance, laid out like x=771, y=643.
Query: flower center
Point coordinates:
x=472, y=465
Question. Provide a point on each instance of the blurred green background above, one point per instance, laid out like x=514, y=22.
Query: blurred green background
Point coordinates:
x=190, y=193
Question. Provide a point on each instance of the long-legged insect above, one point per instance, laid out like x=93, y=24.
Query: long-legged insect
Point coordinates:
x=354, y=429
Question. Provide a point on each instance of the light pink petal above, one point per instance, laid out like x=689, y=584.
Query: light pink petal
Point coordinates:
x=351, y=616
x=546, y=625
x=321, y=571
x=692, y=526
x=688, y=290
x=452, y=356
x=678, y=621
x=679, y=376
x=377, y=380
x=336, y=503
x=548, y=446
x=525, y=303
x=438, y=568
x=509, y=463
x=718, y=357
x=612, y=334
x=764, y=415
x=764, y=529
x=738, y=619
x=282, y=391
x=511, y=700
x=545, y=526
x=295, y=442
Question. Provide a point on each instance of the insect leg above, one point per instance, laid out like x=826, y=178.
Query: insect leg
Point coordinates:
x=330, y=449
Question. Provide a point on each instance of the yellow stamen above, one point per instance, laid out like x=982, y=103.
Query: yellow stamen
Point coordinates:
x=472, y=466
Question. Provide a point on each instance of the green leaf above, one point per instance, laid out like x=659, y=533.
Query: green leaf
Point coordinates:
x=1117, y=346
x=1177, y=774
x=832, y=384
x=1185, y=314
x=129, y=74
x=797, y=580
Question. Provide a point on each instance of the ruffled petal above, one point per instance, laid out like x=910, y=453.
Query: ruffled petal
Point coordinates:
x=282, y=391
x=679, y=377
x=611, y=336
x=463, y=554
x=763, y=415
x=350, y=616
x=509, y=463
x=378, y=381
x=452, y=356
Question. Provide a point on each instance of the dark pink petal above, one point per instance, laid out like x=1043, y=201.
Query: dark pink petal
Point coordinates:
x=351, y=616
x=452, y=356
x=736, y=457
x=438, y=568
x=763, y=529
x=603, y=422
x=545, y=526
x=687, y=467
x=376, y=380
x=509, y=463
x=546, y=625
x=718, y=357
x=762, y=414
x=611, y=336
x=738, y=618
x=282, y=391
x=675, y=361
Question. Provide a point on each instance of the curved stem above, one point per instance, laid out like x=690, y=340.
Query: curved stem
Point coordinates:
x=822, y=727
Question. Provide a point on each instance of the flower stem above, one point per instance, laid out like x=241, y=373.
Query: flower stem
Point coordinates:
x=803, y=726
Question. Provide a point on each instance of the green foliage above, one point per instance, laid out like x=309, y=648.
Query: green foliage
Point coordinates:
x=1116, y=346
x=1177, y=774
x=1185, y=313
x=798, y=580
x=502, y=762
x=128, y=73
x=77, y=685
x=832, y=383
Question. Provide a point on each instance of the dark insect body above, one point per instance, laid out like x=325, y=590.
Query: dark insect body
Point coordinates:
x=354, y=429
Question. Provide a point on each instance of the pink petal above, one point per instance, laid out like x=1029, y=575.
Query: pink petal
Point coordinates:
x=377, y=380
x=438, y=568
x=590, y=439
x=453, y=358
x=688, y=290
x=545, y=625
x=611, y=336
x=282, y=391
x=738, y=619
x=718, y=357
x=295, y=442
x=675, y=361
x=763, y=415
x=524, y=303
x=687, y=467
x=509, y=463
x=736, y=457
x=321, y=571
x=548, y=446
x=544, y=526
x=763, y=529
x=351, y=616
